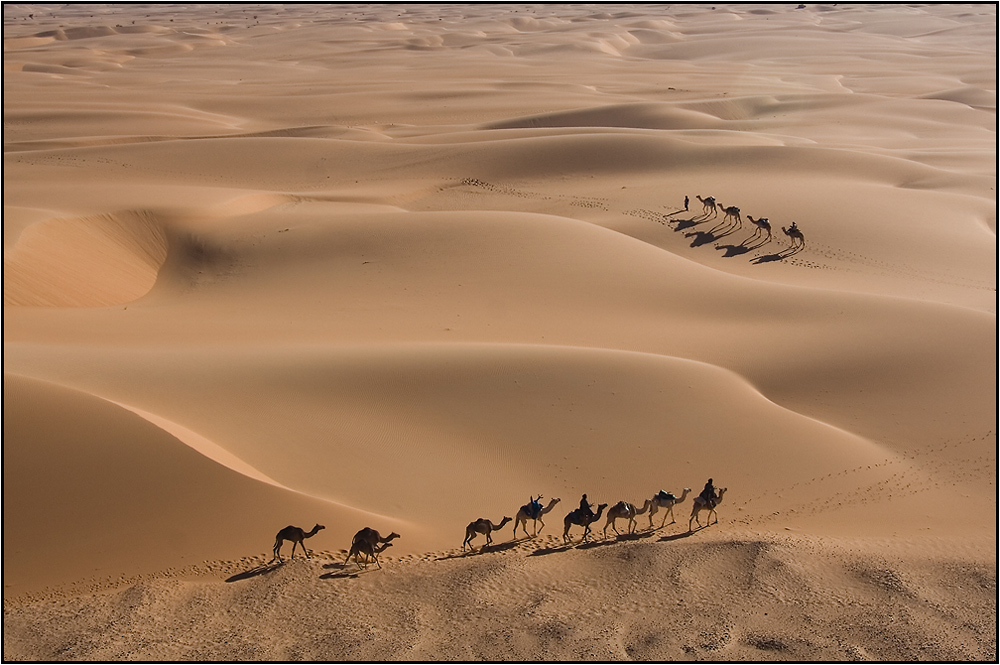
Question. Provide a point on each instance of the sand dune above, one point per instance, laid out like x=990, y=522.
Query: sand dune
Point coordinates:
x=405, y=266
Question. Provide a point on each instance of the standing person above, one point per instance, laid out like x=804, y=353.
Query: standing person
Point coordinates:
x=686, y=202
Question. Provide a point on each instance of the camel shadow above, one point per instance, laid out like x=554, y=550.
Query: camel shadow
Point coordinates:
x=459, y=555
x=344, y=571
x=498, y=547
x=542, y=551
x=683, y=224
x=485, y=549
x=733, y=250
x=591, y=544
x=678, y=536
x=635, y=535
x=778, y=256
x=342, y=575
x=701, y=238
x=262, y=569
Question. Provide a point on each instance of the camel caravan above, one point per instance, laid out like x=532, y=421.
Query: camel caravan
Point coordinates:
x=369, y=543
x=732, y=221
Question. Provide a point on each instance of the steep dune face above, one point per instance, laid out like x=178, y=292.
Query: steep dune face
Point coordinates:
x=94, y=261
x=406, y=266
x=95, y=491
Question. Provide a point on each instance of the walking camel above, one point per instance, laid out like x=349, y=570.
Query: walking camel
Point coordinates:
x=624, y=509
x=360, y=547
x=796, y=235
x=668, y=501
x=367, y=541
x=525, y=513
x=707, y=205
x=700, y=504
x=763, y=225
x=732, y=212
x=581, y=518
x=484, y=526
x=296, y=535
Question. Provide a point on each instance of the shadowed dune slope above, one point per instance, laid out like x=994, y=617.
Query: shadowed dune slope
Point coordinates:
x=100, y=492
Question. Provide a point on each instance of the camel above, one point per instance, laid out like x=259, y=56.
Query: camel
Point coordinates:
x=296, y=535
x=668, y=501
x=732, y=212
x=624, y=509
x=525, y=513
x=581, y=518
x=796, y=235
x=484, y=526
x=707, y=205
x=762, y=224
x=369, y=540
x=700, y=504
x=360, y=547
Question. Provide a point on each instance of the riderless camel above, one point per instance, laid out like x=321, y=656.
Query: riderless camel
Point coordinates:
x=624, y=510
x=666, y=500
x=707, y=205
x=371, y=539
x=359, y=547
x=484, y=526
x=732, y=212
x=762, y=224
x=296, y=535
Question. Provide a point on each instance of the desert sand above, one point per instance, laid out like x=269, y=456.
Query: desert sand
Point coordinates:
x=406, y=266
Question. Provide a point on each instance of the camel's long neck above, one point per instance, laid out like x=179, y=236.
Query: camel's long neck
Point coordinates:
x=312, y=532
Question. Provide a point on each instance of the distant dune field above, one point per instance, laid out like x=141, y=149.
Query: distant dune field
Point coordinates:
x=407, y=266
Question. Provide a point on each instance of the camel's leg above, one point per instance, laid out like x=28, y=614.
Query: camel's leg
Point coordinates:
x=652, y=511
x=537, y=522
x=294, y=545
x=489, y=539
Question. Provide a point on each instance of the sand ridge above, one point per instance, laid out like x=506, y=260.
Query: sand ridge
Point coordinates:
x=404, y=266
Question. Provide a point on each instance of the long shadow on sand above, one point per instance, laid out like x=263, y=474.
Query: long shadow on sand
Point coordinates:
x=682, y=534
x=683, y=224
x=262, y=569
x=701, y=238
x=778, y=256
x=485, y=549
x=733, y=250
x=542, y=551
x=344, y=571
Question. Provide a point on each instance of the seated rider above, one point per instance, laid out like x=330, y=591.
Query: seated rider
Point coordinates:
x=535, y=506
x=585, y=506
x=708, y=494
